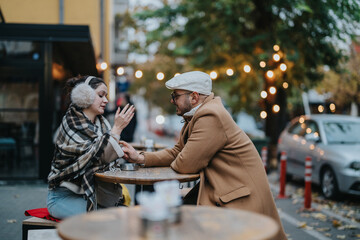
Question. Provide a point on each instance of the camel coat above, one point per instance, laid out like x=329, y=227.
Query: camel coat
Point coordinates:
x=231, y=171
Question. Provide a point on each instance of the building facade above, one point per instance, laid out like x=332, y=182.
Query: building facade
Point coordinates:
x=42, y=44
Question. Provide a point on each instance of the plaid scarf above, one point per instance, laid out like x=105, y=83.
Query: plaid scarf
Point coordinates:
x=78, y=148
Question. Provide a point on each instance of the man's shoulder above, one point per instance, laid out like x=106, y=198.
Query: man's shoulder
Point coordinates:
x=214, y=105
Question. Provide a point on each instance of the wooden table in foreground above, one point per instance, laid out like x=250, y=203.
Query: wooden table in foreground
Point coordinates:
x=197, y=223
x=145, y=176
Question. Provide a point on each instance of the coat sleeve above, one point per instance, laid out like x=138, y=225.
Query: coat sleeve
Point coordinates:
x=206, y=139
x=162, y=158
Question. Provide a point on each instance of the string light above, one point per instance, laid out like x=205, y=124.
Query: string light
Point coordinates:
x=276, y=47
x=321, y=108
x=120, y=71
x=276, y=57
x=138, y=74
x=332, y=107
x=213, y=75
x=301, y=120
x=276, y=108
x=247, y=68
x=270, y=74
x=229, y=72
x=272, y=90
x=160, y=119
x=103, y=66
x=285, y=85
x=283, y=67
x=262, y=64
x=263, y=114
x=160, y=76
x=263, y=94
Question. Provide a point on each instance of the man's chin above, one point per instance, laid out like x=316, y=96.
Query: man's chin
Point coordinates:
x=178, y=113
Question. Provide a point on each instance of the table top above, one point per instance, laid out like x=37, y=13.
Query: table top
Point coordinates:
x=145, y=176
x=142, y=147
x=198, y=222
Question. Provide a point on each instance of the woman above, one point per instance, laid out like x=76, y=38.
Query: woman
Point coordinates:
x=84, y=144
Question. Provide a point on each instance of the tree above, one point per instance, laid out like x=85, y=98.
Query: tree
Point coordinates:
x=154, y=90
x=344, y=86
x=217, y=35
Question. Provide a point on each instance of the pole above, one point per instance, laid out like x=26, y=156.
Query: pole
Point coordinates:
x=308, y=172
x=283, y=159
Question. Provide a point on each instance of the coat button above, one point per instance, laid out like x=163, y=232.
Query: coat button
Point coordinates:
x=217, y=204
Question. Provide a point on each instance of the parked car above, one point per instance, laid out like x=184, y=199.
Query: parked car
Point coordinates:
x=333, y=143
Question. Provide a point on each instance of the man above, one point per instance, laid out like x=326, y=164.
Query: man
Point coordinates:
x=231, y=171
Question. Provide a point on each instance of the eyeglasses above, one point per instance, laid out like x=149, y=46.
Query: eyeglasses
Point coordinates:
x=174, y=96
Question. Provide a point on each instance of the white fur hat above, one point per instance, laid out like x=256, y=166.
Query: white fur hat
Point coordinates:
x=194, y=81
x=83, y=95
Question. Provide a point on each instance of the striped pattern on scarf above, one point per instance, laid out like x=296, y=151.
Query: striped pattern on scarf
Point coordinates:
x=78, y=148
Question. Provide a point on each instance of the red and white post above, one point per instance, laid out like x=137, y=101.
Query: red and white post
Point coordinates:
x=283, y=160
x=308, y=173
x=264, y=152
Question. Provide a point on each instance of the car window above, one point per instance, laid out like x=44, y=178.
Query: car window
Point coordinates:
x=342, y=132
x=312, y=130
x=311, y=127
x=298, y=129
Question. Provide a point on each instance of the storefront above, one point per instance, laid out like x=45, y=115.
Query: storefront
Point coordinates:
x=35, y=62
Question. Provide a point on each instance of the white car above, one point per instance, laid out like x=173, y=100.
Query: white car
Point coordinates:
x=333, y=143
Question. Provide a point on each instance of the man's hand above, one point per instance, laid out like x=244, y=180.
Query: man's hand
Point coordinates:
x=131, y=155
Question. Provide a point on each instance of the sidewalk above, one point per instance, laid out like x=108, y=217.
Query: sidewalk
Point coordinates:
x=324, y=224
x=16, y=197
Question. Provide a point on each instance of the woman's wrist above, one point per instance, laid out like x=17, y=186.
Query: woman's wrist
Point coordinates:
x=116, y=131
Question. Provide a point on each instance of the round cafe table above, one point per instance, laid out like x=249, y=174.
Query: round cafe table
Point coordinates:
x=145, y=176
x=197, y=223
x=141, y=147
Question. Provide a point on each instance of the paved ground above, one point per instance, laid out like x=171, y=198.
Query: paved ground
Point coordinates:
x=323, y=224
x=16, y=197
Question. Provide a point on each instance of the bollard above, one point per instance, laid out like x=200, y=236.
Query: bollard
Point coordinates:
x=283, y=159
x=308, y=172
x=264, y=152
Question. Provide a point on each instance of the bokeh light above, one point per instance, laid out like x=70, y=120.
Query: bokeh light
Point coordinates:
x=160, y=76
x=229, y=72
x=138, y=74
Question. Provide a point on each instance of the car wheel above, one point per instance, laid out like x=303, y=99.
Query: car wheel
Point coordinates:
x=329, y=185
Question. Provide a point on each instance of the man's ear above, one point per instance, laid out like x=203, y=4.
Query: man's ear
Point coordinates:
x=195, y=98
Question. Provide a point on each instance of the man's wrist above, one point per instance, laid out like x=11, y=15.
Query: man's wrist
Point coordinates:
x=141, y=158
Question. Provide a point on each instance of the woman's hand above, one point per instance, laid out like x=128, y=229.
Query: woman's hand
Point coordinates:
x=131, y=155
x=122, y=119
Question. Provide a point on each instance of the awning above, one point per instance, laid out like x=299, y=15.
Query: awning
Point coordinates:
x=73, y=41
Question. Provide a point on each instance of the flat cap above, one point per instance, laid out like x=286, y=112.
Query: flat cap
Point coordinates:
x=194, y=81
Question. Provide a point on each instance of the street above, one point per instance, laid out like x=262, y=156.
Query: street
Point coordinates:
x=327, y=219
